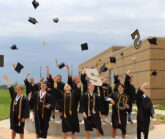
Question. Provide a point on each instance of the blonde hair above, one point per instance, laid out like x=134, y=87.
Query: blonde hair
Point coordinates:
x=66, y=87
x=20, y=87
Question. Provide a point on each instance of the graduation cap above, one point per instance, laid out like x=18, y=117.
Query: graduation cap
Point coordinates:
x=56, y=61
x=32, y=20
x=61, y=65
x=84, y=46
x=35, y=4
x=18, y=67
x=103, y=68
x=154, y=73
x=1, y=60
x=13, y=47
x=44, y=43
x=121, y=53
x=153, y=41
x=112, y=59
x=56, y=20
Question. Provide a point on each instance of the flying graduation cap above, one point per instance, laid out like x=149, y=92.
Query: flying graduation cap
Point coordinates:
x=55, y=20
x=35, y=4
x=154, y=73
x=61, y=65
x=14, y=47
x=1, y=60
x=103, y=68
x=153, y=40
x=32, y=20
x=84, y=46
x=112, y=59
x=18, y=67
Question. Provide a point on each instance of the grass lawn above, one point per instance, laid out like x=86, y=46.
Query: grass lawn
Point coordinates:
x=4, y=104
x=160, y=107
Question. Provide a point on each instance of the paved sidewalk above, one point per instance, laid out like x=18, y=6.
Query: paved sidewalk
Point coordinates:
x=157, y=132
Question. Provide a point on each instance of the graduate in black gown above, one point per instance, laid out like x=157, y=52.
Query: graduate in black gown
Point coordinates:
x=68, y=108
x=19, y=109
x=145, y=111
x=90, y=108
x=120, y=105
x=30, y=87
x=53, y=91
x=43, y=108
x=117, y=80
x=130, y=91
x=105, y=91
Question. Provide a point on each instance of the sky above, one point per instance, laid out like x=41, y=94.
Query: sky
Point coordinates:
x=100, y=23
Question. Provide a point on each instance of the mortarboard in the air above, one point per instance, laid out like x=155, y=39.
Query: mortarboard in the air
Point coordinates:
x=112, y=59
x=154, y=73
x=121, y=53
x=32, y=20
x=14, y=47
x=61, y=65
x=153, y=41
x=103, y=68
x=35, y=4
x=56, y=20
x=18, y=67
x=1, y=60
x=84, y=46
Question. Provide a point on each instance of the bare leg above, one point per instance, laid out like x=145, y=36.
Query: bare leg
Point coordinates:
x=113, y=133
x=13, y=134
x=64, y=135
x=73, y=136
x=123, y=136
x=97, y=133
x=87, y=133
x=21, y=136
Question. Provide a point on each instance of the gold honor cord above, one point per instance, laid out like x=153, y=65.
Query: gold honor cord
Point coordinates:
x=19, y=107
x=42, y=104
x=70, y=105
x=93, y=109
x=122, y=99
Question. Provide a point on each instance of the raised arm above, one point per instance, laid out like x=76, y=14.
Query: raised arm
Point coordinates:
x=68, y=70
x=26, y=79
x=6, y=81
x=47, y=72
x=142, y=88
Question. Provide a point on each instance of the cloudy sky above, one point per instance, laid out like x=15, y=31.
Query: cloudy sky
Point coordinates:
x=101, y=23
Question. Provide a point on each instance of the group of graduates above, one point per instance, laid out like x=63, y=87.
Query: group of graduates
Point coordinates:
x=79, y=95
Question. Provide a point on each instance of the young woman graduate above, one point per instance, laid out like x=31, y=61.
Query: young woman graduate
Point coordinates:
x=130, y=91
x=105, y=91
x=145, y=111
x=19, y=109
x=43, y=106
x=120, y=105
x=90, y=108
x=68, y=108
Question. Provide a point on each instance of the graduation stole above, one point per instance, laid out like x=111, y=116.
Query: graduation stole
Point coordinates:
x=105, y=91
x=19, y=107
x=38, y=98
x=121, y=105
x=70, y=105
x=93, y=103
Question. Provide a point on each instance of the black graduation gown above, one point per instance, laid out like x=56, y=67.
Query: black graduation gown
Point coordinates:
x=116, y=83
x=145, y=111
x=118, y=113
x=15, y=123
x=42, y=115
x=31, y=88
x=93, y=120
x=53, y=91
x=71, y=83
x=130, y=91
x=105, y=91
x=69, y=101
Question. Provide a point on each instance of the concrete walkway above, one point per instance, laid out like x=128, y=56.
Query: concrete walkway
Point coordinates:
x=157, y=132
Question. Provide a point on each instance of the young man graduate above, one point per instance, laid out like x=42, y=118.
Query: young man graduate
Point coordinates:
x=43, y=107
x=90, y=108
x=19, y=109
x=68, y=108
x=145, y=111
